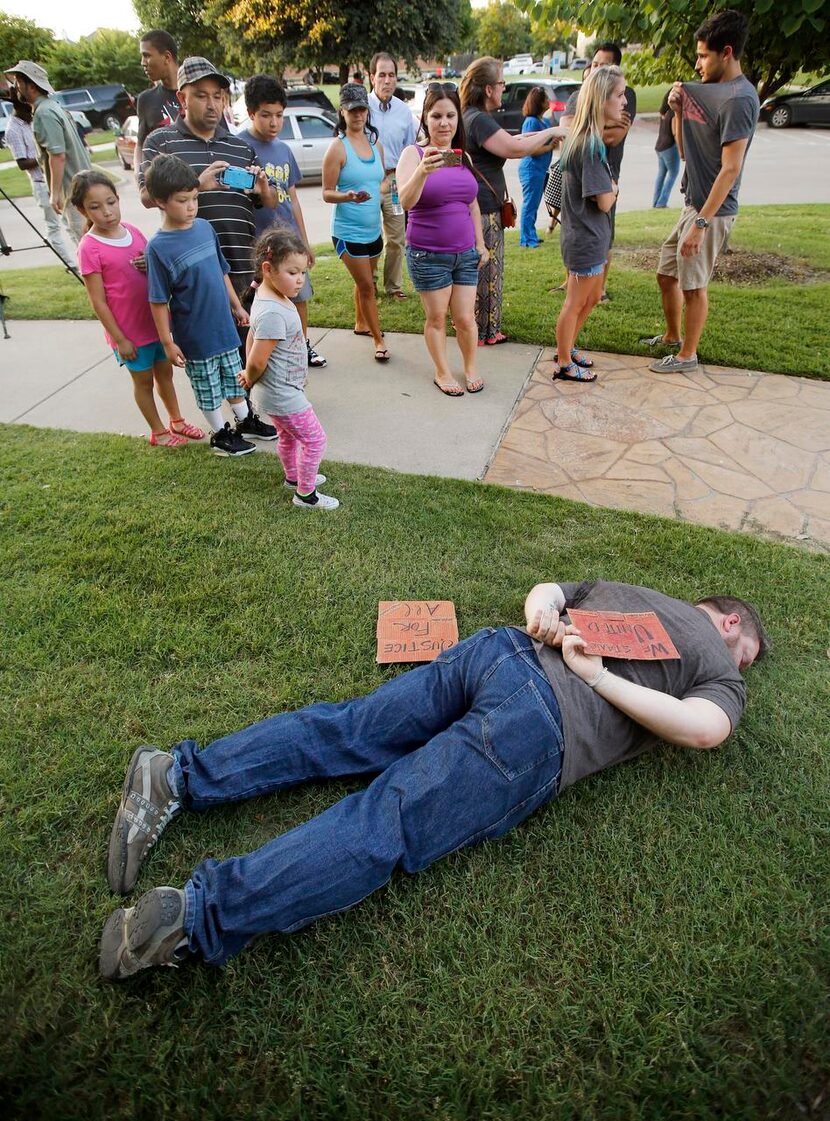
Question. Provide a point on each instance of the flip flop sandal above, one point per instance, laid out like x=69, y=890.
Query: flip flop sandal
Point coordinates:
x=474, y=386
x=453, y=389
x=580, y=358
x=563, y=373
x=368, y=334
x=382, y=355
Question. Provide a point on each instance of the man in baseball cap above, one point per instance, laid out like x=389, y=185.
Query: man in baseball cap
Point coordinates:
x=195, y=68
x=60, y=151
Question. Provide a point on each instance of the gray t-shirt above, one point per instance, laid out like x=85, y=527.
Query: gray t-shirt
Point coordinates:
x=596, y=734
x=714, y=114
x=615, y=153
x=585, y=238
x=279, y=392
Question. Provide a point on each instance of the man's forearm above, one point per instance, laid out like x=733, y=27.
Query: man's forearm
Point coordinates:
x=57, y=163
x=544, y=597
x=691, y=723
x=720, y=189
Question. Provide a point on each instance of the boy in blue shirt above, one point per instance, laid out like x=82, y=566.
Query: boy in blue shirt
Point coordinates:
x=193, y=301
x=265, y=101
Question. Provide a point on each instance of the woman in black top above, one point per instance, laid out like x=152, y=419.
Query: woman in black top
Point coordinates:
x=488, y=146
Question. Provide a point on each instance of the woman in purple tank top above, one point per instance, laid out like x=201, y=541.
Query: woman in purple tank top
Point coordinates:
x=444, y=241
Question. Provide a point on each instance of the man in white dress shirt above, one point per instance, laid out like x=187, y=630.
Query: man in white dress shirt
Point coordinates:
x=393, y=120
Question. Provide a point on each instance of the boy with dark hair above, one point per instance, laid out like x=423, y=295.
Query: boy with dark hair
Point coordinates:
x=189, y=285
x=157, y=107
x=714, y=124
x=266, y=101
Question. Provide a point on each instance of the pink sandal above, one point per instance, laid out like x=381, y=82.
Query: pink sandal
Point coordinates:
x=182, y=427
x=166, y=439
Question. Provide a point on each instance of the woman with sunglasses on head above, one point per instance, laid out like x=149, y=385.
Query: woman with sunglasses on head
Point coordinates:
x=444, y=241
x=489, y=146
x=352, y=175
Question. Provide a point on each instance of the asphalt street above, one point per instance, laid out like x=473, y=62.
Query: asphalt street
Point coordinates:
x=783, y=166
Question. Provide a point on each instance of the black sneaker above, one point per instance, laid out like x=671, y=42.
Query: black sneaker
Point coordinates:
x=151, y=933
x=255, y=429
x=314, y=359
x=227, y=441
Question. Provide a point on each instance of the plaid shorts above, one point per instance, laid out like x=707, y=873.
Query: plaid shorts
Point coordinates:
x=214, y=379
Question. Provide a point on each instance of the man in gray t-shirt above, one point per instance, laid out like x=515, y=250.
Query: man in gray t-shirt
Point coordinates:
x=457, y=751
x=714, y=121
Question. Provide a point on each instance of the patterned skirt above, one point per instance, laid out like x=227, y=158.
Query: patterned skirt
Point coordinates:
x=491, y=279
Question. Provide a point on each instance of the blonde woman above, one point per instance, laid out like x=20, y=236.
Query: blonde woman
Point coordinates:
x=588, y=194
x=488, y=146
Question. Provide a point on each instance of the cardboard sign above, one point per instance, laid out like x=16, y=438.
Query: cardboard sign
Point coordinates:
x=634, y=635
x=415, y=630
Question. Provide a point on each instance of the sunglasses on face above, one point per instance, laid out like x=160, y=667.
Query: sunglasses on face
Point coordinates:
x=442, y=87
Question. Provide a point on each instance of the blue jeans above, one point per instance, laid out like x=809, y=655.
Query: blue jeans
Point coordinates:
x=533, y=182
x=668, y=166
x=464, y=748
x=431, y=271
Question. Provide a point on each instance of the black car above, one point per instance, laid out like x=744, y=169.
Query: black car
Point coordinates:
x=810, y=107
x=105, y=106
x=308, y=95
x=509, y=115
x=323, y=77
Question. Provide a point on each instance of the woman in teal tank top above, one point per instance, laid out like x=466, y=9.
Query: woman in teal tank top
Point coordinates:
x=352, y=175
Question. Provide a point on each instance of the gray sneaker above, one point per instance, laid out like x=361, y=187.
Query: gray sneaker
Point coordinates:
x=147, y=805
x=671, y=364
x=151, y=933
x=657, y=342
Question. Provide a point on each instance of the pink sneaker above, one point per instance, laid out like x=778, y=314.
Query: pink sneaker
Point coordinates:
x=166, y=439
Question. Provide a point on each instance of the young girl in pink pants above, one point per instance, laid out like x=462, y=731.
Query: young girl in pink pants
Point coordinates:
x=277, y=365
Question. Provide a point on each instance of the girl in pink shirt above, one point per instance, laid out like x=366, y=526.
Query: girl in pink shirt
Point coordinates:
x=111, y=261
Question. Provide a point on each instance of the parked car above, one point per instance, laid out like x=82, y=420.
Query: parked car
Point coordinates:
x=578, y=63
x=522, y=64
x=809, y=107
x=296, y=95
x=105, y=106
x=125, y=142
x=322, y=78
x=308, y=131
x=509, y=114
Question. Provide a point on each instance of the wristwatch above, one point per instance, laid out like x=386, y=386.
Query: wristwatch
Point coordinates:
x=702, y=223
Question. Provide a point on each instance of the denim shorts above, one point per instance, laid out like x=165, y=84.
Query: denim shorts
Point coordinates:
x=145, y=357
x=431, y=271
x=594, y=270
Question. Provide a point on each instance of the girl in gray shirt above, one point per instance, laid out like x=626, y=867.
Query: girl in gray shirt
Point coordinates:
x=277, y=365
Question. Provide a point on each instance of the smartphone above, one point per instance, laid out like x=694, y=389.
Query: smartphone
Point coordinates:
x=453, y=157
x=363, y=196
x=238, y=177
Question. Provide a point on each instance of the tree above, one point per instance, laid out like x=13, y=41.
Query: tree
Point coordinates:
x=190, y=25
x=21, y=38
x=547, y=35
x=785, y=36
x=103, y=57
x=503, y=31
x=312, y=33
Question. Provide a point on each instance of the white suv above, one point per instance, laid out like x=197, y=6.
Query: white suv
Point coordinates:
x=522, y=64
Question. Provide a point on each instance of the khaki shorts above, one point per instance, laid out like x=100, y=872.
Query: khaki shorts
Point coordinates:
x=694, y=272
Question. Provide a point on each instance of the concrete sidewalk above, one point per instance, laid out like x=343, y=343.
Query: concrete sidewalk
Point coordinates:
x=737, y=449
x=61, y=374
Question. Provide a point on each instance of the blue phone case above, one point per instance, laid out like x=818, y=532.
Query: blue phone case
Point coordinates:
x=238, y=177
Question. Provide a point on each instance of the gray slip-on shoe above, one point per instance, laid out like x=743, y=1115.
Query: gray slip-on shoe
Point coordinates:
x=671, y=364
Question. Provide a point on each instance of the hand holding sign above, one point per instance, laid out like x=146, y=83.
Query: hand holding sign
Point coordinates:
x=632, y=635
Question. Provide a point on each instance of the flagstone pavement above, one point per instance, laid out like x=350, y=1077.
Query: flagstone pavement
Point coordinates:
x=732, y=448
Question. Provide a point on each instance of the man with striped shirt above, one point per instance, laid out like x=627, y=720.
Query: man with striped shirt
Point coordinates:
x=198, y=139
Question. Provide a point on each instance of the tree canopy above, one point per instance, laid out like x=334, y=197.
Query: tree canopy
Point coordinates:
x=785, y=36
x=21, y=38
x=502, y=30
x=103, y=57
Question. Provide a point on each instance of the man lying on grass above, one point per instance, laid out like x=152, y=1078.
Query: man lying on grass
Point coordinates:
x=461, y=750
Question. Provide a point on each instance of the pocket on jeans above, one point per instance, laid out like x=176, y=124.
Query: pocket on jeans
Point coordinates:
x=521, y=733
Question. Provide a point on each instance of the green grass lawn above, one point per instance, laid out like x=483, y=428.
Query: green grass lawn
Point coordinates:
x=776, y=326
x=654, y=945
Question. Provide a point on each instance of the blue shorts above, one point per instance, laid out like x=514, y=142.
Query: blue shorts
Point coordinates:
x=214, y=379
x=145, y=357
x=430, y=271
x=594, y=270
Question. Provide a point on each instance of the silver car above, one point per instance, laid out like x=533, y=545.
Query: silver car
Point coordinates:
x=307, y=131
